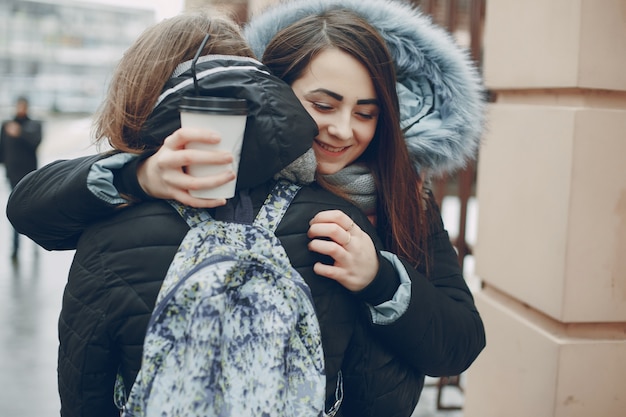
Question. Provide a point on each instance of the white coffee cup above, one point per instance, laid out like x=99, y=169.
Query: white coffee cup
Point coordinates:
x=226, y=116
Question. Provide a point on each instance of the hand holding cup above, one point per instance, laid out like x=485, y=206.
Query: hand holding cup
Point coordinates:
x=225, y=116
x=164, y=174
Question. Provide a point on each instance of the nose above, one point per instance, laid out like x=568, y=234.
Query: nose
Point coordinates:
x=341, y=126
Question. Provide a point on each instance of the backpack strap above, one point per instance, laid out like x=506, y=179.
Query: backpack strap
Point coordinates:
x=193, y=216
x=276, y=205
x=270, y=215
x=236, y=210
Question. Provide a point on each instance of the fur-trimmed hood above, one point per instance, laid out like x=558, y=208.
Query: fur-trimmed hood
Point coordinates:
x=442, y=100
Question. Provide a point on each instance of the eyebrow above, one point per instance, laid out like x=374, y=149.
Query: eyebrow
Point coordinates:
x=339, y=97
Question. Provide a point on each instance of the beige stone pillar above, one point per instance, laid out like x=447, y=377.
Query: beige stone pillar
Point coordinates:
x=551, y=243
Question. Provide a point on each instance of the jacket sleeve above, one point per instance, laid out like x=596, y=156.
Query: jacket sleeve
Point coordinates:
x=436, y=328
x=55, y=203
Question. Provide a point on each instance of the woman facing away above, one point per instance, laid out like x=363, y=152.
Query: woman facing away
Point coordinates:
x=424, y=325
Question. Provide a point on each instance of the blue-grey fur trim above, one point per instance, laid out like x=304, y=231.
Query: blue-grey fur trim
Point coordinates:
x=442, y=97
x=100, y=177
x=390, y=311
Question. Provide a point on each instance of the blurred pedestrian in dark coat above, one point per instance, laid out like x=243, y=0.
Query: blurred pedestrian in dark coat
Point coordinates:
x=19, y=139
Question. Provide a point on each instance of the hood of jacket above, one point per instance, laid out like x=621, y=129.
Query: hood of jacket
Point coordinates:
x=278, y=129
x=442, y=99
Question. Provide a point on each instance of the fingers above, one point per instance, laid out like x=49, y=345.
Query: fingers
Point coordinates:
x=334, y=216
x=333, y=231
x=180, y=158
x=187, y=182
x=174, y=152
x=328, y=248
x=184, y=135
x=333, y=224
x=355, y=266
x=163, y=175
x=334, y=234
x=328, y=271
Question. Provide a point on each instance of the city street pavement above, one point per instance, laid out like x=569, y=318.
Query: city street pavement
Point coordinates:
x=31, y=292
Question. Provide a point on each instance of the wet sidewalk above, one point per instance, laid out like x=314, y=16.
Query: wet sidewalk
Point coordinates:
x=30, y=298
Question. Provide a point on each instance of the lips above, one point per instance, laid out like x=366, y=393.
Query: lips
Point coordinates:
x=331, y=149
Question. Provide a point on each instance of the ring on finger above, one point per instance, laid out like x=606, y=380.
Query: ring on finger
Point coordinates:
x=350, y=227
x=349, y=240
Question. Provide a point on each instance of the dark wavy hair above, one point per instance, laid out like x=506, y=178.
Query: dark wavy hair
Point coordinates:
x=401, y=209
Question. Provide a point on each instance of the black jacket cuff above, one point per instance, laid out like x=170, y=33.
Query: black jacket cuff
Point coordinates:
x=384, y=285
x=126, y=182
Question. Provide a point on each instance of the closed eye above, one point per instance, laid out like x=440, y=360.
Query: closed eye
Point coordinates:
x=366, y=116
x=322, y=106
x=367, y=112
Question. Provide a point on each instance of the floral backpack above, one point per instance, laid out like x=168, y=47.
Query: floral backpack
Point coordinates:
x=234, y=331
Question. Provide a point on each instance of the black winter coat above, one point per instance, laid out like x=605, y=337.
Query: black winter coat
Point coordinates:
x=121, y=260
x=115, y=278
x=19, y=154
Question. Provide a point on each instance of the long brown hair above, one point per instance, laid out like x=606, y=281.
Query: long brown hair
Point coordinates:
x=146, y=66
x=401, y=212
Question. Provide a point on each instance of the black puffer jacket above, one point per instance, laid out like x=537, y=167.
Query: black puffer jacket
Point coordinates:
x=120, y=262
x=115, y=278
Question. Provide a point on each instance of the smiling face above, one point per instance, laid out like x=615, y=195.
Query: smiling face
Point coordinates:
x=338, y=92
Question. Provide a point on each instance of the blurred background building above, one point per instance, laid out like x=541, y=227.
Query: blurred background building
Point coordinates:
x=60, y=53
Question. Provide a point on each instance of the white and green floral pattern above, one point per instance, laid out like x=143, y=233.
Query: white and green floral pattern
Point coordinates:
x=234, y=331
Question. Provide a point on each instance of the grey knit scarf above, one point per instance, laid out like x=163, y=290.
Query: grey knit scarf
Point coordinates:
x=301, y=171
x=357, y=182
